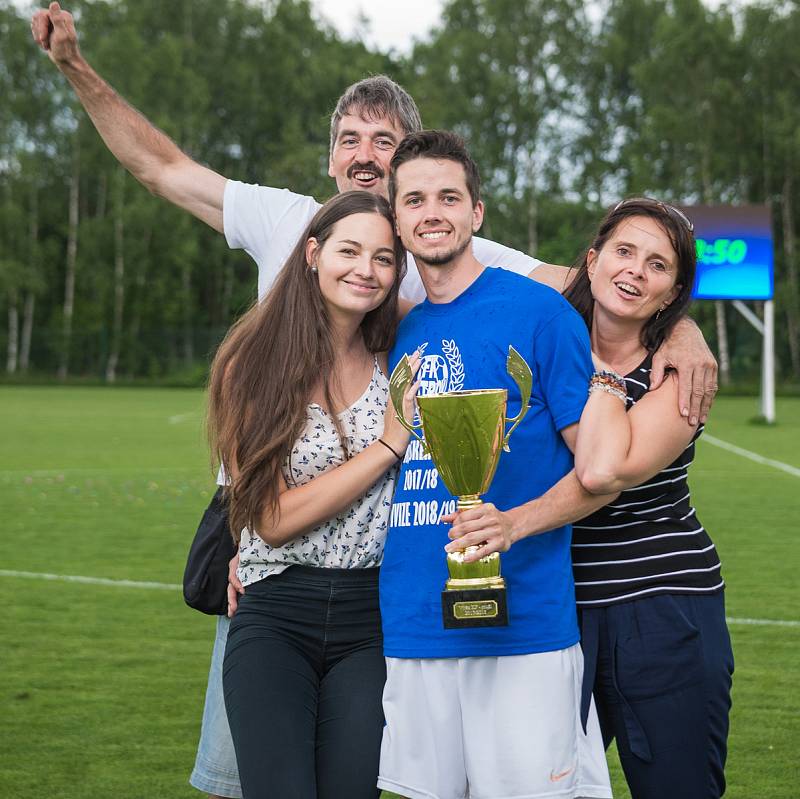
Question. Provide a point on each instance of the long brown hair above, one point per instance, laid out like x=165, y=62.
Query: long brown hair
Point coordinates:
x=272, y=358
x=681, y=235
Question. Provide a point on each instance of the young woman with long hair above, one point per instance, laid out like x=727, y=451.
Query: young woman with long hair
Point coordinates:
x=298, y=420
x=647, y=576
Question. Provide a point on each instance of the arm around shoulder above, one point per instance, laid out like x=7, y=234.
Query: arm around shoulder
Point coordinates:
x=557, y=277
x=686, y=351
x=490, y=253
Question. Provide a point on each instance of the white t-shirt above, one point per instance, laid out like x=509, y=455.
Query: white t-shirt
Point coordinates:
x=268, y=222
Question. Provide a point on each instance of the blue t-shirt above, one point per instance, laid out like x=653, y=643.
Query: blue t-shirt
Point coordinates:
x=465, y=345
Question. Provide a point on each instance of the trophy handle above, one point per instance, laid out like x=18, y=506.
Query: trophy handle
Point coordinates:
x=523, y=377
x=398, y=383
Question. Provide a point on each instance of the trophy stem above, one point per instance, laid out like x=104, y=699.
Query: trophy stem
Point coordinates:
x=467, y=501
x=464, y=502
x=480, y=574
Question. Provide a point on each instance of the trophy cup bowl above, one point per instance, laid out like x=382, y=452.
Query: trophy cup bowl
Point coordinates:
x=464, y=432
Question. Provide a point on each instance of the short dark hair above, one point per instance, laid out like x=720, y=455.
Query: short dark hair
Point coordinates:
x=373, y=97
x=442, y=144
x=681, y=236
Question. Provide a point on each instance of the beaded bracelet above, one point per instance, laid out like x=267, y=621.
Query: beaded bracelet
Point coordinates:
x=608, y=390
x=610, y=382
x=609, y=378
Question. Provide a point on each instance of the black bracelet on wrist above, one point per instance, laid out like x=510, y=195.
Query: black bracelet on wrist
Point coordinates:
x=391, y=449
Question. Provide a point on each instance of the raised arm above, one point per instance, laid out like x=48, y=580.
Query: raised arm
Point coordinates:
x=616, y=449
x=145, y=151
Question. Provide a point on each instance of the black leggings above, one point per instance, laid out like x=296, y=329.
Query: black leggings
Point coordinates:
x=303, y=679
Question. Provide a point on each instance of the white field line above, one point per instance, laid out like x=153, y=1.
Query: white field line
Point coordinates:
x=753, y=456
x=178, y=418
x=96, y=470
x=764, y=622
x=73, y=578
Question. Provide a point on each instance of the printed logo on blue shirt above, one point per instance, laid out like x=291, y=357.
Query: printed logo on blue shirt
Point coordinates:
x=437, y=375
x=441, y=373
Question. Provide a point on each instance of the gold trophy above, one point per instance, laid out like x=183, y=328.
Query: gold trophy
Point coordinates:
x=464, y=432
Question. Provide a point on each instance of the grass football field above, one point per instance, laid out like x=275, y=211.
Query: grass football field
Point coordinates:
x=101, y=685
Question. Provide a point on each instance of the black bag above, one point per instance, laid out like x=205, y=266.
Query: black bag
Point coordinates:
x=205, y=579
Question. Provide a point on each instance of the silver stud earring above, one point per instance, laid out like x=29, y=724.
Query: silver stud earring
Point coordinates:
x=314, y=270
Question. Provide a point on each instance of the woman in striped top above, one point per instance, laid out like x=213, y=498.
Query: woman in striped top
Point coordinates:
x=647, y=576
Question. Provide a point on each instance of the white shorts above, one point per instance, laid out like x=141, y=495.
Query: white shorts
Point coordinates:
x=490, y=728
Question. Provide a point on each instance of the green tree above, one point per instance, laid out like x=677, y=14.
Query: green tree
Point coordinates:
x=503, y=73
x=771, y=171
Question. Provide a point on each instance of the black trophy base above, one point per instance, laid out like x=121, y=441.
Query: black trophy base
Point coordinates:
x=474, y=607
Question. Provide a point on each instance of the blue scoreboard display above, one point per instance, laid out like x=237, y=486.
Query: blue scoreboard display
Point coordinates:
x=734, y=252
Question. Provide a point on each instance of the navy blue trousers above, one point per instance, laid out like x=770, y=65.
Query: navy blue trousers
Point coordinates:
x=660, y=669
x=303, y=679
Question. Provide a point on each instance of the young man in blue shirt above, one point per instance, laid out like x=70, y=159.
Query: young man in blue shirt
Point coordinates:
x=488, y=712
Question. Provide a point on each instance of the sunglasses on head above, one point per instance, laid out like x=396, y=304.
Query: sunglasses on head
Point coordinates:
x=670, y=210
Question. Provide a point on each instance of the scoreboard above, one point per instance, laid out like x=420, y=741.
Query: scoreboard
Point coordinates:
x=734, y=252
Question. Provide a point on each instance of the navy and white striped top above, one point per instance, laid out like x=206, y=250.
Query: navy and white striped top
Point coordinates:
x=649, y=540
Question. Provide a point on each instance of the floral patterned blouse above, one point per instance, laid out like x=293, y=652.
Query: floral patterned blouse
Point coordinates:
x=354, y=538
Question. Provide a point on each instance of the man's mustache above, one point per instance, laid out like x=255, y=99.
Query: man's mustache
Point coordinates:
x=368, y=166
